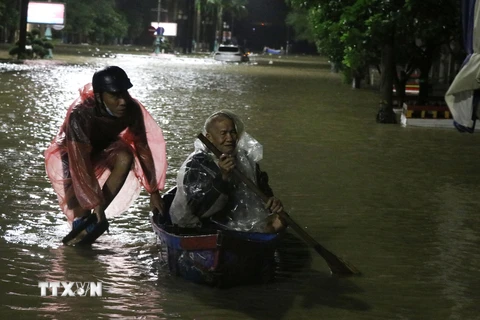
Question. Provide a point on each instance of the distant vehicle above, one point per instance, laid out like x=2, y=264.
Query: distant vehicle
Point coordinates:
x=230, y=53
x=268, y=50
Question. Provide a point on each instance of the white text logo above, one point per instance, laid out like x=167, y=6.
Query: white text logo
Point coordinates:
x=70, y=289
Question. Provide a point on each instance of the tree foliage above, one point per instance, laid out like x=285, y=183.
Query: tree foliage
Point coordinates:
x=106, y=21
x=110, y=23
x=352, y=33
x=236, y=9
x=297, y=19
x=80, y=19
x=9, y=17
x=38, y=48
x=95, y=21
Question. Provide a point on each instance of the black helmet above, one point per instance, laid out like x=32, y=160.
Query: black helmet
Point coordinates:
x=111, y=79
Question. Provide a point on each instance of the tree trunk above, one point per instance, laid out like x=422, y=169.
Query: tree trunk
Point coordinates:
x=425, y=66
x=386, y=114
x=198, y=23
x=218, y=27
x=356, y=83
x=23, y=29
x=387, y=74
x=189, y=25
x=400, y=87
x=11, y=35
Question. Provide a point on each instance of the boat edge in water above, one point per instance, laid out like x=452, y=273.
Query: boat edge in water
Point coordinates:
x=216, y=257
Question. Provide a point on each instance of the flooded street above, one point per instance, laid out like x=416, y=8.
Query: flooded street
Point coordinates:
x=401, y=204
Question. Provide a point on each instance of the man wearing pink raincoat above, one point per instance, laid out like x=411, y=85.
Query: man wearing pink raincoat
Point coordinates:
x=107, y=148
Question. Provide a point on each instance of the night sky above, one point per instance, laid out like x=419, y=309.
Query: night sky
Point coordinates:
x=274, y=32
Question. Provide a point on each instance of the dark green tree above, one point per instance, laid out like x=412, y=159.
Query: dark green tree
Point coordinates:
x=38, y=48
x=138, y=15
x=236, y=8
x=109, y=23
x=298, y=20
x=94, y=21
x=9, y=18
x=404, y=34
x=80, y=19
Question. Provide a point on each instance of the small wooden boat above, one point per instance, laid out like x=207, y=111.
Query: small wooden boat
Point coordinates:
x=216, y=257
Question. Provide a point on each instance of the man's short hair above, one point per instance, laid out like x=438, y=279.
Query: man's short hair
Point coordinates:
x=214, y=119
x=225, y=114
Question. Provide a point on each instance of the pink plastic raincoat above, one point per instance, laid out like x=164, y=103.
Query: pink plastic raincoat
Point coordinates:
x=79, y=159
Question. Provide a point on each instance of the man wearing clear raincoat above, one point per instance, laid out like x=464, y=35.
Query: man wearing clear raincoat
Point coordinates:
x=208, y=195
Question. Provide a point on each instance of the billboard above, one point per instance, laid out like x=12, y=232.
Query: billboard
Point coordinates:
x=46, y=13
x=170, y=28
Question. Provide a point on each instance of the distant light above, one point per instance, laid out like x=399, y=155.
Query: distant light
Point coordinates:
x=263, y=24
x=46, y=13
x=170, y=29
x=253, y=29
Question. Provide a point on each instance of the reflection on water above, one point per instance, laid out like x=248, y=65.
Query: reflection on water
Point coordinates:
x=399, y=203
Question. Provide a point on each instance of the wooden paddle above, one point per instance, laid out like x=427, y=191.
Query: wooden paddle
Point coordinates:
x=336, y=264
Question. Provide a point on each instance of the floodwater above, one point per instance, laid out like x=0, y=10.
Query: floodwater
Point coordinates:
x=401, y=204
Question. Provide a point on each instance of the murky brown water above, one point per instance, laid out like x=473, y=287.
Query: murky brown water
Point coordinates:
x=401, y=204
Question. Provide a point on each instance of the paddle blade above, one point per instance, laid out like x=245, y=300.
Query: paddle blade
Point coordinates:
x=337, y=265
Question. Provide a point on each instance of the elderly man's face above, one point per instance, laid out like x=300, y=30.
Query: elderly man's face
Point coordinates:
x=223, y=135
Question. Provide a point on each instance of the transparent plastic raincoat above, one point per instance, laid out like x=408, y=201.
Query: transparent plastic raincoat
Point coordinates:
x=202, y=195
x=79, y=159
